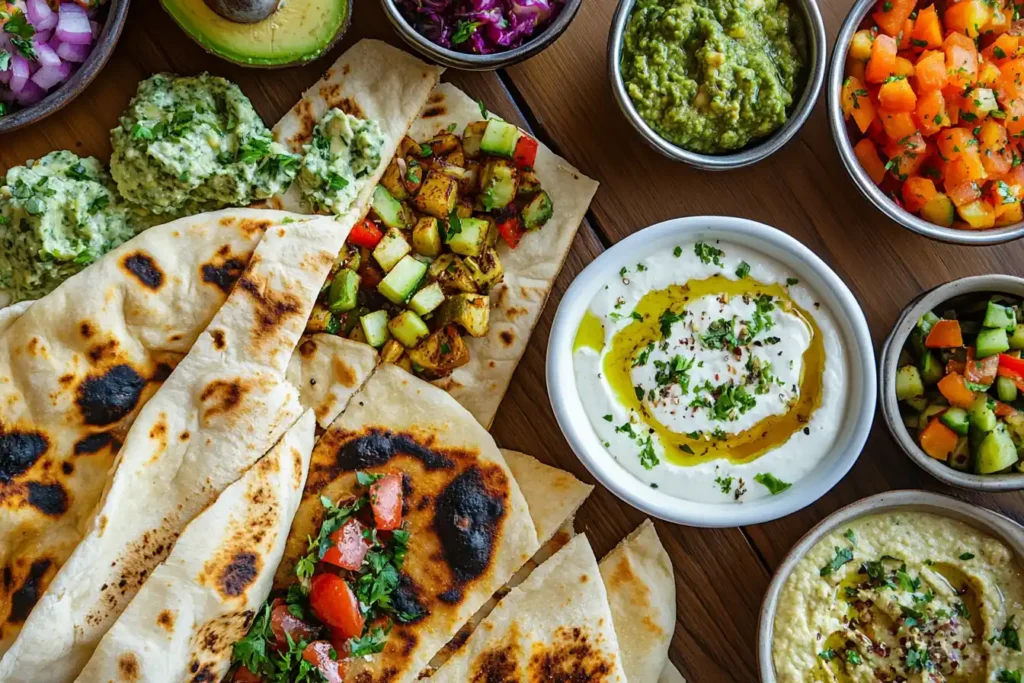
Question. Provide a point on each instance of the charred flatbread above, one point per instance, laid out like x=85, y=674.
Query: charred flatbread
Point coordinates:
x=328, y=370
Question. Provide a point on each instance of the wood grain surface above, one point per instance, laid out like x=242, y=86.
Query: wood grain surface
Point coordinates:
x=563, y=95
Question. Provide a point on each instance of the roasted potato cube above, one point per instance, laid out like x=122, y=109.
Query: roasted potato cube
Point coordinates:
x=472, y=138
x=486, y=269
x=405, y=363
x=322, y=320
x=357, y=334
x=438, y=195
x=444, y=144
x=393, y=181
x=471, y=312
x=528, y=184
x=457, y=173
x=409, y=147
x=414, y=173
x=426, y=236
x=498, y=183
x=449, y=271
x=463, y=209
x=456, y=158
x=468, y=182
x=441, y=352
x=392, y=351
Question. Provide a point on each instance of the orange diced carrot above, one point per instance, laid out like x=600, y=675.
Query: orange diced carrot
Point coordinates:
x=930, y=71
x=1002, y=49
x=892, y=15
x=897, y=95
x=927, y=29
x=883, y=59
x=870, y=161
x=994, y=144
x=916, y=192
x=954, y=142
x=961, y=59
x=944, y=334
x=967, y=17
x=954, y=389
x=938, y=440
x=856, y=103
x=898, y=124
x=931, y=112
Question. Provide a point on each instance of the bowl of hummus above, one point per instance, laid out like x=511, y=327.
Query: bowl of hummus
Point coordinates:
x=900, y=586
x=712, y=371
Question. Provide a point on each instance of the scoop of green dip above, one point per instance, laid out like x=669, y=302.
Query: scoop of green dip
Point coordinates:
x=712, y=75
x=343, y=149
x=192, y=144
x=58, y=215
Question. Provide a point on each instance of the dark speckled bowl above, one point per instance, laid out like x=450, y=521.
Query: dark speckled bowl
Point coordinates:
x=117, y=12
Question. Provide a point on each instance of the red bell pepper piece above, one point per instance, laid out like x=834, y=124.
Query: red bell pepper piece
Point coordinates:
x=1015, y=365
x=511, y=231
x=525, y=155
x=386, y=501
x=365, y=234
x=370, y=275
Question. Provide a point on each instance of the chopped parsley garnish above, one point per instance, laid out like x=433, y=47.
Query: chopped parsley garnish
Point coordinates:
x=608, y=418
x=850, y=536
x=917, y=659
x=827, y=655
x=463, y=31
x=853, y=657
x=648, y=458
x=743, y=269
x=1007, y=676
x=677, y=252
x=843, y=556
x=454, y=226
x=626, y=428
x=666, y=320
x=774, y=485
x=966, y=556
x=5, y=60
x=1008, y=636
x=708, y=254
x=731, y=401
x=674, y=372
x=792, y=281
x=721, y=334
x=725, y=484
x=642, y=357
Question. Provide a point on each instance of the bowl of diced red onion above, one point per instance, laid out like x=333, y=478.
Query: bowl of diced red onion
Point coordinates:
x=50, y=50
x=480, y=35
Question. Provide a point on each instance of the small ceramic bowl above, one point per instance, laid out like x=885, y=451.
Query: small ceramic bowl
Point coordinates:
x=987, y=521
x=471, y=62
x=813, y=272
x=889, y=362
x=117, y=13
x=814, y=78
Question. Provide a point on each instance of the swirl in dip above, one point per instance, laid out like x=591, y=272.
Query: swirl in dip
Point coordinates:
x=709, y=372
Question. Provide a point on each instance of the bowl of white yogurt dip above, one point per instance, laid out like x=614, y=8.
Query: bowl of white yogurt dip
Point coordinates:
x=712, y=371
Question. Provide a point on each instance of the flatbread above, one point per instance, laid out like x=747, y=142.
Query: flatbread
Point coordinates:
x=670, y=674
x=555, y=626
x=553, y=495
x=77, y=366
x=224, y=407
x=469, y=525
x=202, y=598
x=530, y=269
x=637, y=575
x=328, y=370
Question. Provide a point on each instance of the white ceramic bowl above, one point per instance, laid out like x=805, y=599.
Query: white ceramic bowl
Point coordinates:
x=812, y=272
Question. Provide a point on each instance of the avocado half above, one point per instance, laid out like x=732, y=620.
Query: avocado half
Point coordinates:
x=298, y=31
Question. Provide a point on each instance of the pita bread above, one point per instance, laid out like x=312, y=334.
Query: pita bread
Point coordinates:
x=201, y=599
x=328, y=370
x=77, y=366
x=637, y=575
x=555, y=626
x=223, y=408
x=469, y=525
x=530, y=269
x=670, y=674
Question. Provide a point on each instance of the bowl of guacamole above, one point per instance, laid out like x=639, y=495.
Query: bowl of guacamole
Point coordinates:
x=717, y=84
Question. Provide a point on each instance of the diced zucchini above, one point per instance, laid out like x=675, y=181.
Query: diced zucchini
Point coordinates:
x=470, y=311
x=344, y=290
x=1015, y=423
x=441, y=352
x=392, y=350
x=375, y=328
x=982, y=415
x=927, y=321
x=486, y=269
x=500, y=139
x=919, y=404
x=991, y=341
x=427, y=299
x=956, y=419
x=437, y=196
x=933, y=410
x=388, y=209
x=538, y=211
x=999, y=316
x=908, y=383
x=393, y=181
x=472, y=137
x=498, y=183
x=1017, y=338
x=1006, y=389
x=931, y=368
x=960, y=459
x=426, y=238
x=401, y=282
x=408, y=328
x=391, y=249
x=452, y=273
x=996, y=452
x=470, y=240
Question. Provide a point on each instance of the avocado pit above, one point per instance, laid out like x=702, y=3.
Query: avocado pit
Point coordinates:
x=244, y=11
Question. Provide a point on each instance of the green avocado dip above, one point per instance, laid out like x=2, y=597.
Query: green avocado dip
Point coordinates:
x=343, y=150
x=58, y=215
x=712, y=75
x=192, y=144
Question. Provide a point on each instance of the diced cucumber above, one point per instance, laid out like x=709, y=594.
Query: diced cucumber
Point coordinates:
x=996, y=452
x=538, y=211
x=498, y=184
x=927, y=321
x=931, y=368
x=991, y=341
x=470, y=240
x=931, y=411
x=1017, y=338
x=960, y=459
x=344, y=291
x=388, y=209
x=956, y=419
x=997, y=315
x=391, y=249
x=1006, y=389
x=919, y=403
x=401, y=282
x=375, y=328
x=427, y=299
x=908, y=383
x=426, y=237
x=408, y=328
x=982, y=415
x=500, y=139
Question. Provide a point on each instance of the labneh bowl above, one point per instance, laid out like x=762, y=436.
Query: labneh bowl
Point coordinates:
x=996, y=525
x=828, y=290
x=889, y=363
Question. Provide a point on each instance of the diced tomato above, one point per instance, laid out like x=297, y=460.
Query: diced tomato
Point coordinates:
x=386, y=501
x=348, y=547
x=244, y=675
x=964, y=193
x=525, y=155
x=370, y=274
x=318, y=653
x=1004, y=410
x=340, y=642
x=336, y=605
x=511, y=231
x=283, y=622
x=981, y=371
x=365, y=234
x=944, y=334
x=938, y=440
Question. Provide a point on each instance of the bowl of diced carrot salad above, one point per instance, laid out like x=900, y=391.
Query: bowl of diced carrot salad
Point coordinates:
x=926, y=103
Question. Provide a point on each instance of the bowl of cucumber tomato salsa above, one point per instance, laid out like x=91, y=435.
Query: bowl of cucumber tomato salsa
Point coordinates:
x=953, y=382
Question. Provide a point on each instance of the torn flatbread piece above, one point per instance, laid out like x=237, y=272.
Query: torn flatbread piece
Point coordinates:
x=77, y=366
x=225, y=405
x=556, y=626
x=193, y=607
x=328, y=370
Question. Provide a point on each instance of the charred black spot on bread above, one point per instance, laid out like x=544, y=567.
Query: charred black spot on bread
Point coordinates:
x=452, y=596
x=128, y=667
x=50, y=499
x=219, y=341
x=105, y=399
x=162, y=372
x=27, y=595
x=145, y=269
x=223, y=274
x=570, y=657
x=19, y=451
x=67, y=467
x=104, y=351
x=434, y=112
x=378, y=447
x=497, y=664
x=8, y=578
x=165, y=620
x=272, y=308
x=307, y=349
x=221, y=397
x=466, y=519
x=94, y=443
x=239, y=574
x=85, y=329
x=507, y=337
x=406, y=601
x=350, y=106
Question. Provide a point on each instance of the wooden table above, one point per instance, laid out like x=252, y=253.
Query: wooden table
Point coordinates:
x=564, y=96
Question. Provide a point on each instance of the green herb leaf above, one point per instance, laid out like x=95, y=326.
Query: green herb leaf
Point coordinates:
x=743, y=269
x=774, y=485
x=708, y=254
x=843, y=556
x=463, y=31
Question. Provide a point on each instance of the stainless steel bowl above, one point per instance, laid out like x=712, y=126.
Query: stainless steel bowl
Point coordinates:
x=889, y=362
x=860, y=177
x=815, y=77
x=1003, y=528
x=467, y=62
